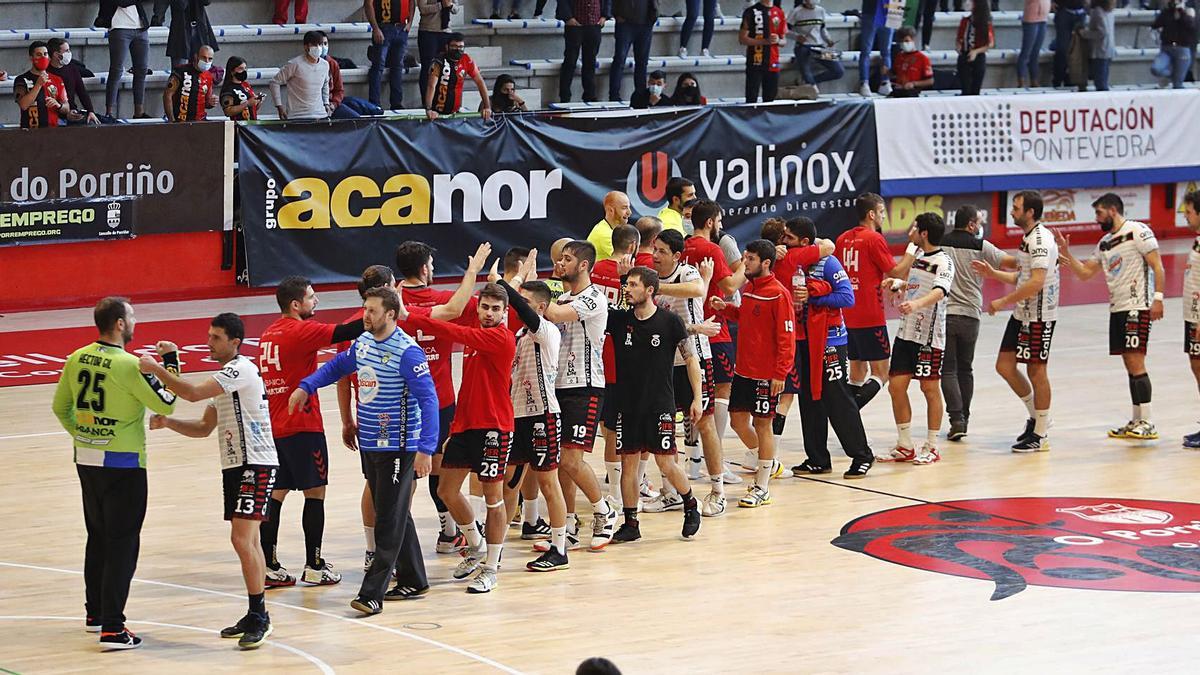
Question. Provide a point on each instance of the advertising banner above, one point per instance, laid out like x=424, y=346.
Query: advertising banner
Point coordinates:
x=1071, y=210
x=902, y=211
x=65, y=220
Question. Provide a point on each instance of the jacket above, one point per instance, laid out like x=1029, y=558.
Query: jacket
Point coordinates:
x=626, y=10
x=766, y=347
x=109, y=7
x=190, y=28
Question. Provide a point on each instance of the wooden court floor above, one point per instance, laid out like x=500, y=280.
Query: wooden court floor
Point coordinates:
x=760, y=591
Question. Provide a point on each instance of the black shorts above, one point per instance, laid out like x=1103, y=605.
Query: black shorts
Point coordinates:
x=868, y=344
x=921, y=362
x=1191, y=341
x=303, y=461
x=580, y=413
x=752, y=396
x=248, y=491
x=1128, y=332
x=537, y=442
x=724, y=355
x=608, y=407
x=483, y=451
x=683, y=388
x=646, y=432
x=445, y=419
x=1029, y=339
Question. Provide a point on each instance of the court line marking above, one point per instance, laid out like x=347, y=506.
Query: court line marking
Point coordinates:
x=45, y=433
x=321, y=665
x=359, y=622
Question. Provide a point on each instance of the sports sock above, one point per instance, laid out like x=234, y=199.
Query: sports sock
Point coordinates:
x=718, y=485
x=478, y=508
x=867, y=390
x=258, y=604
x=440, y=505
x=931, y=437
x=270, y=534
x=601, y=507
x=642, y=463
x=448, y=524
x=763, y=476
x=904, y=435
x=630, y=515
x=613, y=471
x=722, y=416
x=689, y=501
x=668, y=489
x=369, y=534
x=558, y=539
x=1028, y=401
x=471, y=530
x=695, y=453
x=572, y=523
x=493, y=555
x=313, y=521
x=1041, y=422
x=530, y=511
x=1144, y=413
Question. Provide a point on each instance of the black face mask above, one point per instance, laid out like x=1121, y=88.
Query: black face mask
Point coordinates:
x=454, y=54
x=240, y=77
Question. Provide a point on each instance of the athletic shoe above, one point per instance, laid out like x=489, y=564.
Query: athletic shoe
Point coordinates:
x=322, y=576
x=483, y=582
x=750, y=461
x=539, y=530
x=1121, y=431
x=122, y=640
x=1142, y=430
x=694, y=468
x=898, y=453
x=958, y=431
x=864, y=89
x=1029, y=424
x=573, y=542
x=238, y=629
x=1033, y=443
x=603, y=525
x=647, y=490
x=1190, y=441
x=256, y=633
x=93, y=625
x=614, y=502
x=405, y=592
x=467, y=566
x=706, y=53
x=454, y=543
x=755, y=497
x=927, y=455
x=279, y=577
x=667, y=501
x=683, y=52
x=885, y=89
x=730, y=478
x=514, y=16
x=777, y=469
x=714, y=505
x=858, y=469
x=627, y=532
x=368, y=607
x=549, y=561
x=368, y=559
x=517, y=519
x=691, y=523
x=807, y=467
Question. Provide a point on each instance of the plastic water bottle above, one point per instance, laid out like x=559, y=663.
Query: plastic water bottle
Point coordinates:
x=797, y=282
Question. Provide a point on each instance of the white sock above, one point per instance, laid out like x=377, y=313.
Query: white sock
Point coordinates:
x=695, y=452
x=642, y=463
x=778, y=440
x=478, y=507
x=448, y=524
x=764, y=473
x=1028, y=401
x=573, y=523
x=493, y=555
x=667, y=488
x=718, y=485
x=931, y=437
x=1041, y=422
x=471, y=530
x=369, y=533
x=1144, y=413
x=558, y=539
x=722, y=416
x=530, y=511
x=904, y=435
x=601, y=507
x=613, y=471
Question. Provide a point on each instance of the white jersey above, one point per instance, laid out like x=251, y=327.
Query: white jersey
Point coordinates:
x=927, y=326
x=243, y=418
x=1038, y=251
x=580, y=360
x=1191, y=284
x=691, y=310
x=1130, y=279
x=535, y=368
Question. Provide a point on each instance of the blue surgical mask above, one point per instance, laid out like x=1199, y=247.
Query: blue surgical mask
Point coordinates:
x=655, y=89
x=203, y=66
x=324, y=51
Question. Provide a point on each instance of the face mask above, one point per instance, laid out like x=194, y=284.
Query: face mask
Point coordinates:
x=324, y=51
x=314, y=51
x=688, y=226
x=41, y=62
x=655, y=89
x=453, y=54
x=203, y=66
x=908, y=47
x=240, y=77
x=66, y=57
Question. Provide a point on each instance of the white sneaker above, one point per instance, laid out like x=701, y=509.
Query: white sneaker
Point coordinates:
x=664, y=502
x=694, y=470
x=322, y=576
x=777, y=470
x=367, y=560
x=714, y=505
x=755, y=497
x=730, y=478
x=683, y=52
x=483, y=582
x=573, y=542
x=603, y=525
x=927, y=455
x=750, y=461
x=647, y=490
x=278, y=578
x=467, y=566
x=864, y=89
x=885, y=89
x=706, y=54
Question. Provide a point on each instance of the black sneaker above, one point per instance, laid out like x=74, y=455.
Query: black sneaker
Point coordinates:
x=958, y=431
x=1028, y=431
x=549, y=562
x=1032, y=443
x=691, y=522
x=807, y=467
x=368, y=607
x=627, y=532
x=256, y=633
x=539, y=530
x=405, y=592
x=93, y=625
x=238, y=629
x=858, y=469
x=122, y=640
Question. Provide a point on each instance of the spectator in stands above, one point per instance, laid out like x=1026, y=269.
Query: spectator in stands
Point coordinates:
x=616, y=213
x=1177, y=24
x=390, y=20
x=581, y=40
x=40, y=94
x=443, y=94
x=687, y=91
x=281, y=11
x=189, y=91
x=1033, y=34
x=1101, y=36
x=635, y=27
x=190, y=28
x=238, y=100
x=1068, y=15
x=504, y=96
x=512, y=13
x=874, y=34
x=912, y=71
x=763, y=31
x=975, y=38
x=653, y=95
x=344, y=107
x=806, y=22
x=127, y=32
x=679, y=191
x=431, y=39
x=711, y=9
x=924, y=20
x=62, y=66
x=307, y=80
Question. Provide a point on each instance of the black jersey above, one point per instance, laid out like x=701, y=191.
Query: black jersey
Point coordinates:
x=645, y=354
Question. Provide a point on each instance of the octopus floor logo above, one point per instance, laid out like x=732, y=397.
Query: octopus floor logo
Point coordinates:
x=973, y=137
x=1102, y=544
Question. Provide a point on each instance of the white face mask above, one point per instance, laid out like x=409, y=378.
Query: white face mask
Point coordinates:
x=314, y=51
x=688, y=226
x=655, y=89
x=908, y=46
x=324, y=51
x=203, y=66
x=66, y=57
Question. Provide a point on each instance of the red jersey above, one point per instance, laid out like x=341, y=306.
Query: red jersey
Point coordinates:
x=696, y=249
x=766, y=347
x=759, y=21
x=450, y=76
x=800, y=257
x=438, y=350
x=485, y=400
x=865, y=255
x=39, y=115
x=289, y=354
x=605, y=275
x=911, y=67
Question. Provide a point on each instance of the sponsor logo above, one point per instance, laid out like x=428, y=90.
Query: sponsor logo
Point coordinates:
x=368, y=384
x=646, y=183
x=1119, y=514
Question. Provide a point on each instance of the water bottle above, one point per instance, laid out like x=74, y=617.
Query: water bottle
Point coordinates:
x=797, y=283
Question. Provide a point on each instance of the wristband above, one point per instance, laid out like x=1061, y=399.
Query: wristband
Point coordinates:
x=517, y=281
x=171, y=362
x=1158, y=296
x=911, y=250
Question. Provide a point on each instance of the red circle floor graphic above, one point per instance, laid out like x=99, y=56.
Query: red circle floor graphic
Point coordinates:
x=1102, y=544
